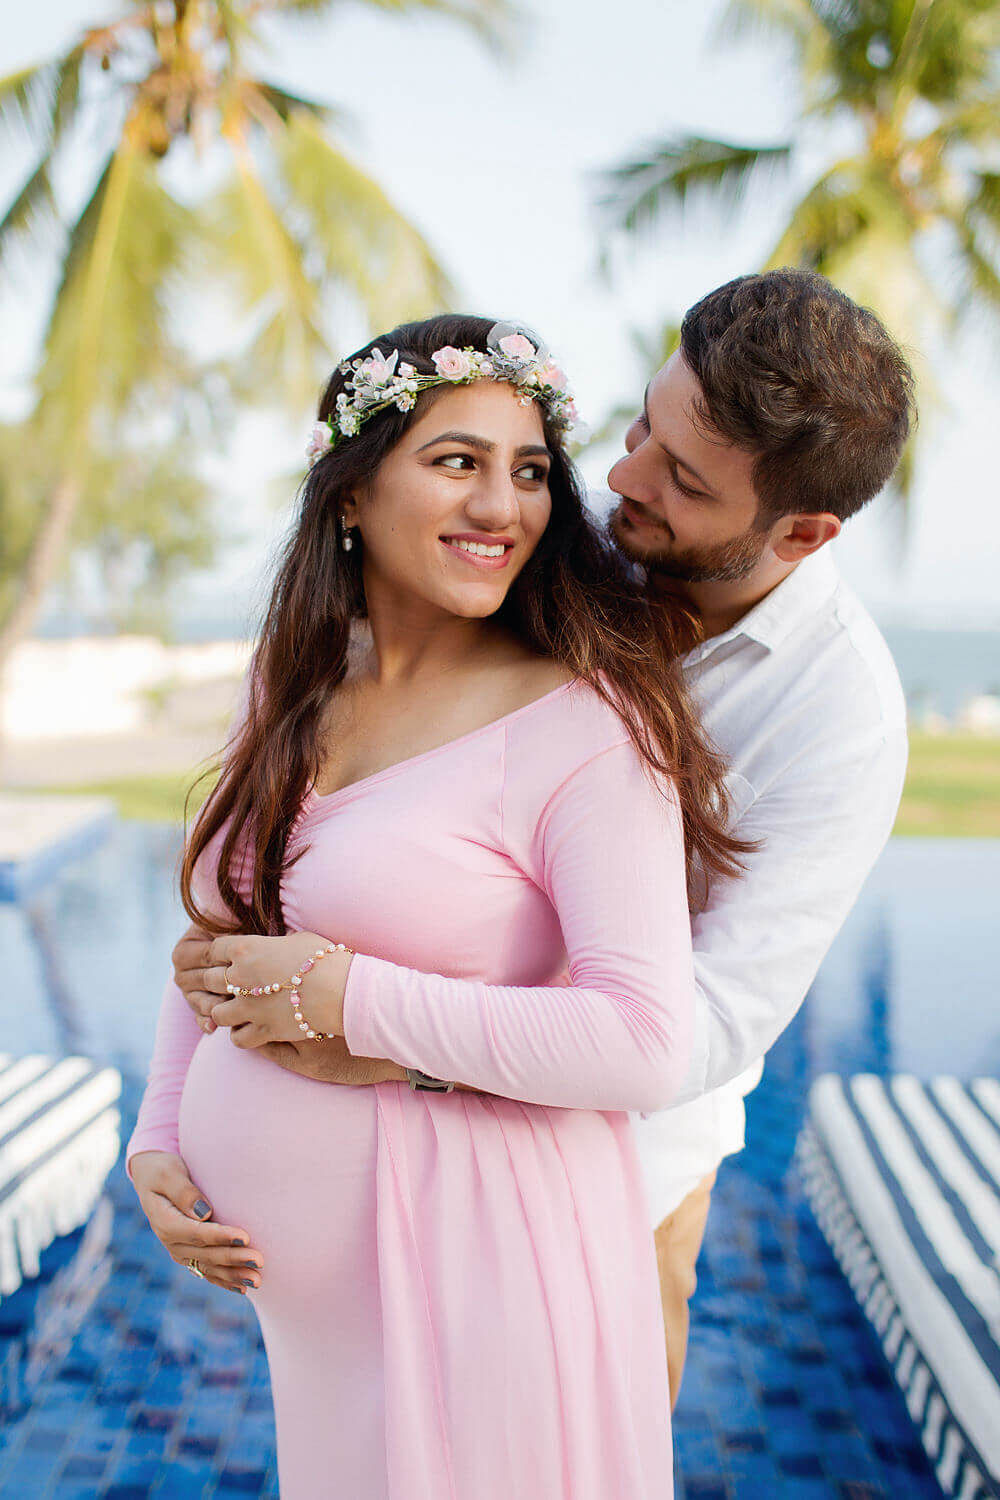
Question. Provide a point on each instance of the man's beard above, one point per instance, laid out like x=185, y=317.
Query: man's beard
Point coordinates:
x=724, y=562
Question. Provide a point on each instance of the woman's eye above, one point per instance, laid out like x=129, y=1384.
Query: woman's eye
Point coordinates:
x=534, y=473
x=455, y=460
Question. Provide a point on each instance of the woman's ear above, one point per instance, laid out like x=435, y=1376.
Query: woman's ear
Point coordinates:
x=349, y=509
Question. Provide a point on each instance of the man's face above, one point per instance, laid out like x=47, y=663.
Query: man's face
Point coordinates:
x=688, y=508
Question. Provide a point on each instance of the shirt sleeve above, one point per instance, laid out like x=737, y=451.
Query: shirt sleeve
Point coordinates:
x=607, y=849
x=763, y=935
x=177, y=1030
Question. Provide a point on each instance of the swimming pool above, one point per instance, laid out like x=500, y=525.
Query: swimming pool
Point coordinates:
x=123, y=1376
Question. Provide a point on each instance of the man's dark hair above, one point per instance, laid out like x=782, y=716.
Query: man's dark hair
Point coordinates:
x=795, y=372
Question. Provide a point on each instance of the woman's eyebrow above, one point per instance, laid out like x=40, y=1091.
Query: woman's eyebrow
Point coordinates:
x=468, y=438
x=484, y=445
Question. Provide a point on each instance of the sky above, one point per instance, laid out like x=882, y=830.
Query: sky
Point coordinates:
x=495, y=159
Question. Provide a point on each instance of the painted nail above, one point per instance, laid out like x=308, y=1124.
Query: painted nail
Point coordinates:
x=202, y=1208
x=244, y=1282
x=237, y=1244
x=250, y=1265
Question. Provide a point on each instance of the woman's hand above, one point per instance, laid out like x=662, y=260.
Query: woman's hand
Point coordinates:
x=253, y=962
x=168, y=1198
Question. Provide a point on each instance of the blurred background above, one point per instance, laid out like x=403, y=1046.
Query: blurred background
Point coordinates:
x=204, y=204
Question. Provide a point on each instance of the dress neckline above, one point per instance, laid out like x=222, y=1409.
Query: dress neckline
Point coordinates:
x=313, y=798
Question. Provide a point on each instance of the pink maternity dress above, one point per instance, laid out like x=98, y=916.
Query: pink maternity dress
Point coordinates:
x=459, y=1298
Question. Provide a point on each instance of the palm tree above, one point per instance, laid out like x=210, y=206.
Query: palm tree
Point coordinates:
x=293, y=223
x=907, y=221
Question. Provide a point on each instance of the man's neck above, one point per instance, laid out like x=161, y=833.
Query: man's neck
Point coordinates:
x=720, y=605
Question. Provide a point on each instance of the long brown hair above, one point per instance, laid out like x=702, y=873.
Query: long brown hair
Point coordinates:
x=575, y=601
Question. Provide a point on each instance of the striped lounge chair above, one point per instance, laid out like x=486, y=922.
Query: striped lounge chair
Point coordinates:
x=904, y=1180
x=59, y=1138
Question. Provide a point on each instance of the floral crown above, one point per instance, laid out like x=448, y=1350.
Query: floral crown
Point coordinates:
x=514, y=354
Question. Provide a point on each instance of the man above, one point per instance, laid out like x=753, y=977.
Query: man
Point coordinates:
x=784, y=411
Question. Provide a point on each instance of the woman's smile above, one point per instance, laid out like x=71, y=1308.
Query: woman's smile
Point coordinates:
x=479, y=548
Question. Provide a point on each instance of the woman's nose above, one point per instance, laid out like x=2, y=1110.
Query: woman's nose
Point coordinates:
x=494, y=503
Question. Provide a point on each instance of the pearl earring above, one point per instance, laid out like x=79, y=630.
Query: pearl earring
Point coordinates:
x=347, y=541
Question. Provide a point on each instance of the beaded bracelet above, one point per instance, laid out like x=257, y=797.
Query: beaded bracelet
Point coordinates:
x=293, y=984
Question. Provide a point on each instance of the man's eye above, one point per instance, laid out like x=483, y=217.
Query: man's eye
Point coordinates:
x=640, y=421
x=691, y=494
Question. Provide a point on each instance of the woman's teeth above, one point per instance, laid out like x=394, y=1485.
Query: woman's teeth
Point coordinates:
x=479, y=548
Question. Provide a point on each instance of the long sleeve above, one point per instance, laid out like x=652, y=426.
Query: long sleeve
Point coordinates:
x=177, y=1035
x=606, y=846
x=758, y=946
x=177, y=1030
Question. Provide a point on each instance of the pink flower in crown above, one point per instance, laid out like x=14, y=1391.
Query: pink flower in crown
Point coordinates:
x=319, y=441
x=451, y=363
x=379, y=368
x=516, y=346
x=551, y=375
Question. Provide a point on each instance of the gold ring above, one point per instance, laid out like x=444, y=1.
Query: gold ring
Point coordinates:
x=193, y=1265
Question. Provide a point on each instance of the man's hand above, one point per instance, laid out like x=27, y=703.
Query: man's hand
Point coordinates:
x=190, y=957
x=326, y=1062
x=330, y=1062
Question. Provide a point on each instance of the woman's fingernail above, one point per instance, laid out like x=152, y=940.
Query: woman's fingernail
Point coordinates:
x=202, y=1208
x=249, y=1265
x=244, y=1282
x=237, y=1244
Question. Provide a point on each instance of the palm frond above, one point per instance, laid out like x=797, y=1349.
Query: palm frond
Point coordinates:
x=31, y=215
x=493, y=21
x=108, y=330
x=267, y=102
x=970, y=122
x=252, y=246
x=666, y=177
x=356, y=236
x=43, y=100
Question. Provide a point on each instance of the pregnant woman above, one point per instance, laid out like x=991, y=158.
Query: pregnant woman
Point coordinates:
x=465, y=764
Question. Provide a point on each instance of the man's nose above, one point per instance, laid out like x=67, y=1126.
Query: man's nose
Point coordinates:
x=629, y=477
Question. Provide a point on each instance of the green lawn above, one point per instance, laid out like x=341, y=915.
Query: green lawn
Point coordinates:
x=952, y=790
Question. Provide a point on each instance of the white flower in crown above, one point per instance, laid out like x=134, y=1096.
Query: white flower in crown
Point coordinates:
x=551, y=375
x=320, y=441
x=378, y=369
x=517, y=347
x=452, y=364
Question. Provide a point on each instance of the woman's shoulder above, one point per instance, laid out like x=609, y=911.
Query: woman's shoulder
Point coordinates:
x=565, y=723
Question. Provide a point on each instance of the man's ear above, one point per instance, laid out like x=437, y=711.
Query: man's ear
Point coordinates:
x=802, y=534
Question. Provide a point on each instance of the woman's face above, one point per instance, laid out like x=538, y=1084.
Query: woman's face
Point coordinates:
x=459, y=505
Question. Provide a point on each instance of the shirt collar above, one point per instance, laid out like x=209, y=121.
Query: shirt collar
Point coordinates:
x=780, y=612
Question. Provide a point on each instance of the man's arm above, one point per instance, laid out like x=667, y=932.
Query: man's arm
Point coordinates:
x=758, y=945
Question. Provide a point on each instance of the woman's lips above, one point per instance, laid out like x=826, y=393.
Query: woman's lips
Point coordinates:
x=491, y=564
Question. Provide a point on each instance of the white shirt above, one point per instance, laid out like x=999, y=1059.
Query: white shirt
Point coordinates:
x=803, y=698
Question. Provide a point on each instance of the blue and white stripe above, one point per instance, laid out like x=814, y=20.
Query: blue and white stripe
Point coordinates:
x=904, y=1179
x=59, y=1138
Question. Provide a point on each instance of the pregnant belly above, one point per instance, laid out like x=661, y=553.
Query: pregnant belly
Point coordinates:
x=288, y=1160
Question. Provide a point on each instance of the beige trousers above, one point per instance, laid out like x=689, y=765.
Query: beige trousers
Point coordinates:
x=678, y=1241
